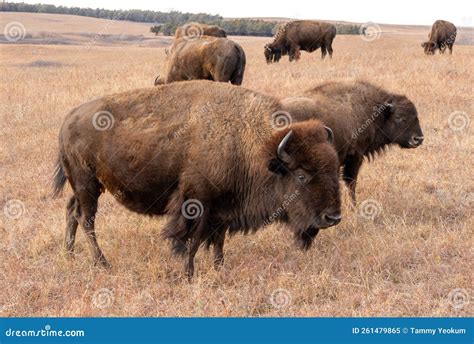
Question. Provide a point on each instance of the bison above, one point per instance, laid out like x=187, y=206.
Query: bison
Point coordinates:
x=209, y=58
x=204, y=153
x=441, y=36
x=299, y=35
x=365, y=119
x=195, y=30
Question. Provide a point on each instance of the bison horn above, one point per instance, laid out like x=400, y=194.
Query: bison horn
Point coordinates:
x=157, y=80
x=282, y=154
x=330, y=134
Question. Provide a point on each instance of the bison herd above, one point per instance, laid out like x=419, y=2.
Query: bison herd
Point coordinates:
x=214, y=158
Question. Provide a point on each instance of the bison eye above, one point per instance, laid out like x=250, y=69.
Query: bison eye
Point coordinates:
x=302, y=178
x=399, y=119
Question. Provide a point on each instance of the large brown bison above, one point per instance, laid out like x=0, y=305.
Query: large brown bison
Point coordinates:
x=441, y=36
x=204, y=153
x=195, y=30
x=209, y=58
x=365, y=120
x=299, y=35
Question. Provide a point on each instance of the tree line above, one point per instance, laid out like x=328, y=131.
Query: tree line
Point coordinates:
x=249, y=27
x=165, y=23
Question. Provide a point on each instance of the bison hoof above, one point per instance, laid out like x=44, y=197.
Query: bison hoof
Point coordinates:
x=101, y=262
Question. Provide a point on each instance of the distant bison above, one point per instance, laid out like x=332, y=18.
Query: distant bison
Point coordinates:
x=196, y=30
x=204, y=153
x=210, y=58
x=299, y=35
x=442, y=36
x=365, y=119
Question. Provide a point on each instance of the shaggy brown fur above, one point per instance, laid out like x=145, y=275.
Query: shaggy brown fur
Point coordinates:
x=441, y=36
x=210, y=58
x=207, y=143
x=308, y=35
x=365, y=119
x=194, y=30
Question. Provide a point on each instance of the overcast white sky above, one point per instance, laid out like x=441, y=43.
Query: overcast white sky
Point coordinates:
x=421, y=12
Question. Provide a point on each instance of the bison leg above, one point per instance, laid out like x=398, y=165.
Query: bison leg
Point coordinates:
x=330, y=51
x=72, y=214
x=323, y=52
x=88, y=197
x=219, y=239
x=351, y=170
x=450, y=46
x=195, y=243
x=295, y=53
x=442, y=47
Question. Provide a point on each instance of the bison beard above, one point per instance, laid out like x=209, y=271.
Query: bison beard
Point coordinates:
x=156, y=157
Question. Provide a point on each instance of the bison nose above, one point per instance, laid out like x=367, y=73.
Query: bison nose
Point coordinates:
x=418, y=139
x=332, y=219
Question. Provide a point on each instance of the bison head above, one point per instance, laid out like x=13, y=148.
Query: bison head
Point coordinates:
x=429, y=47
x=307, y=185
x=272, y=54
x=401, y=125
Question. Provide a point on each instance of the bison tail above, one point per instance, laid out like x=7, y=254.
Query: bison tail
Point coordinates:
x=59, y=178
x=238, y=74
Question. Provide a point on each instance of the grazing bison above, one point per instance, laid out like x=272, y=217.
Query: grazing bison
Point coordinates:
x=365, y=119
x=195, y=30
x=210, y=58
x=299, y=35
x=442, y=36
x=203, y=153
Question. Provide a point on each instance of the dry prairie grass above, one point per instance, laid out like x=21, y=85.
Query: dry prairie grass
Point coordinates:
x=405, y=262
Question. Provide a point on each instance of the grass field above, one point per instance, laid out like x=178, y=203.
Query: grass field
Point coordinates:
x=405, y=250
